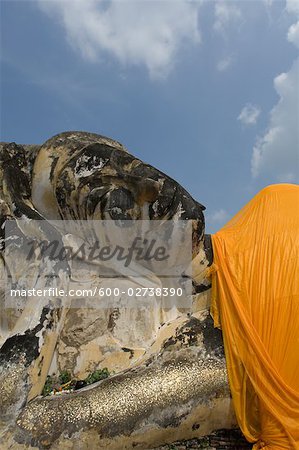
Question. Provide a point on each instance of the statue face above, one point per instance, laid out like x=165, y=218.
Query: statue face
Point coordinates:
x=86, y=176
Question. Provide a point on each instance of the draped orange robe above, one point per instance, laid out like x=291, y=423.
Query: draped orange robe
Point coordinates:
x=255, y=300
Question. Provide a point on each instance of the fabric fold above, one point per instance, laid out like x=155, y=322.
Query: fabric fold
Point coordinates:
x=255, y=300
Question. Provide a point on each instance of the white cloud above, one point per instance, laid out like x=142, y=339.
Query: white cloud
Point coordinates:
x=225, y=12
x=148, y=33
x=277, y=152
x=292, y=6
x=249, y=114
x=293, y=34
x=219, y=217
x=224, y=64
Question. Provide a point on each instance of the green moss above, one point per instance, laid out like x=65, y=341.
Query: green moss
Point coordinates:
x=48, y=387
x=64, y=380
x=97, y=375
x=64, y=377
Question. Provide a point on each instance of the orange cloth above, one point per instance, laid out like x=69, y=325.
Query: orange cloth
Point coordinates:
x=255, y=300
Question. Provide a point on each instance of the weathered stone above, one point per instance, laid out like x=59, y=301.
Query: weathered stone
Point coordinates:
x=169, y=377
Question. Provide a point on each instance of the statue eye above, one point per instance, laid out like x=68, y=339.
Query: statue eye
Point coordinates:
x=119, y=204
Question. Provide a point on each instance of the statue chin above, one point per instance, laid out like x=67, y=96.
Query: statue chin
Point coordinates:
x=168, y=369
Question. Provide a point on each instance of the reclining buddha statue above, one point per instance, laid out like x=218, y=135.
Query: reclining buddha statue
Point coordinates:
x=168, y=372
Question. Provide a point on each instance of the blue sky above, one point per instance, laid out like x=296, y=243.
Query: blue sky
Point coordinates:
x=206, y=91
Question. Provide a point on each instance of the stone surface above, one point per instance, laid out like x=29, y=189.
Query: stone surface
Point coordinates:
x=219, y=440
x=169, y=379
